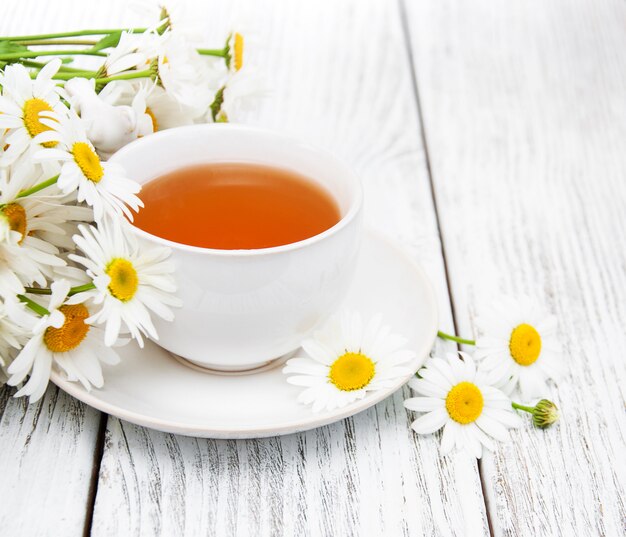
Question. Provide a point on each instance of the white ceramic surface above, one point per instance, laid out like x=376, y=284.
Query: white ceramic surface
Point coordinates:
x=242, y=308
x=151, y=388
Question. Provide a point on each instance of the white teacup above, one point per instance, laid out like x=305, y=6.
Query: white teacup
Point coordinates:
x=244, y=308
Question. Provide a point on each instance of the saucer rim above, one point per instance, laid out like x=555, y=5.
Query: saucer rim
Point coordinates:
x=76, y=390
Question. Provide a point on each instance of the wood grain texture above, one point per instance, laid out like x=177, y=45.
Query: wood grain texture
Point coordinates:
x=48, y=451
x=525, y=113
x=340, y=78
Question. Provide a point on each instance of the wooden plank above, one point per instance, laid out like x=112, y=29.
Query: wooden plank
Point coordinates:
x=48, y=453
x=340, y=78
x=524, y=109
x=49, y=448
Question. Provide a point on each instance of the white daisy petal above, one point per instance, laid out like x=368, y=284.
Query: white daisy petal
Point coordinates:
x=492, y=427
x=471, y=435
x=423, y=387
x=505, y=417
x=448, y=437
x=423, y=404
x=483, y=438
x=317, y=351
x=430, y=422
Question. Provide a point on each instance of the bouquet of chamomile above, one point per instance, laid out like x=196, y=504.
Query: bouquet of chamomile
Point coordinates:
x=74, y=283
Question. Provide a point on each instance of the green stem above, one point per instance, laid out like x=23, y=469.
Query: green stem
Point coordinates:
x=221, y=52
x=147, y=73
x=40, y=65
x=73, y=291
x=81, y=288
x=524, y=408
x=73, y=74
x=43, y=42
x=33, y=305
x=76, y=33
x=38, y=53
x=443, y=335
x=37, y=188
x=38, y=290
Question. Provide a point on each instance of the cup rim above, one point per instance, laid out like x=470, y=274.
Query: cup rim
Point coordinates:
x=355, y=204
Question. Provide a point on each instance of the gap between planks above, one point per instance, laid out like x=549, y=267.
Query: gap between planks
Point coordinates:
x=406, y=34
x=98, y=453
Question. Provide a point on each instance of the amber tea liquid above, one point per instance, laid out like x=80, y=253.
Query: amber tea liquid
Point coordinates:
x=235, y=206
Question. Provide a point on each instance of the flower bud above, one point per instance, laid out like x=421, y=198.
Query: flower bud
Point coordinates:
x=545, y=414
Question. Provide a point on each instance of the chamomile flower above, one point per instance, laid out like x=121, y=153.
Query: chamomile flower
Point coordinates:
x=129, y=282
x=520, y=345
x=173, y=15
x=237, y=96
x=184, y=74
x=347, y=360
x=102, y=185
x=24, y=254
x=21, y=103
x=29, y=257
x=47, y=216
x=160, y=109
x=234, y=51
x=457, y=397
x=133, y=51
x=63, y=338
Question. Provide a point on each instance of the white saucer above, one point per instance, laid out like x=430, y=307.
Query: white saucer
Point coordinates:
x=152, y=388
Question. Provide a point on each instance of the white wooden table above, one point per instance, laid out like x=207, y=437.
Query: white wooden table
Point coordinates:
x=491, y=138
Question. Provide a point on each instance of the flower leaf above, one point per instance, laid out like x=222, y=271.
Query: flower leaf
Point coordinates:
x=110, y=40
x=8, y=46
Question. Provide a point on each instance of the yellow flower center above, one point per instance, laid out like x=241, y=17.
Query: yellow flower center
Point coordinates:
x=73, y=331
x=88, y=161
x=32, y=122
x=155, y=123
x=238, y=51
x=16, y=215
x=352, y=371
x=525, y=344
x=124, y=280
x=464, y=403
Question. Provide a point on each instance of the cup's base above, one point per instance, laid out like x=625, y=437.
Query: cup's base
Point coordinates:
x=234, y=371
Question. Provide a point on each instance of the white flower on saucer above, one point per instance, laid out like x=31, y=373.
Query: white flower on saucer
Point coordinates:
x=63, y=337
x=462, y=400
x=519, y=345
x=347, y=360
x=103, y=185
x=21, y=103
x=130, y=282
